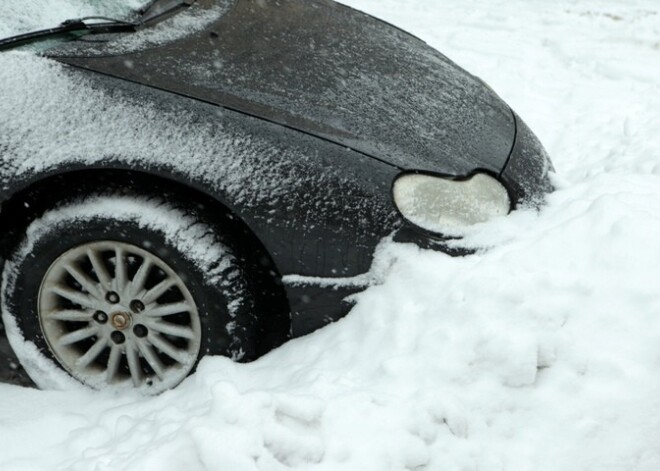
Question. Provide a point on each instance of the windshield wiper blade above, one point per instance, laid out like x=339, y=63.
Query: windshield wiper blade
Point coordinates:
x=76, y=27
x=97, y=25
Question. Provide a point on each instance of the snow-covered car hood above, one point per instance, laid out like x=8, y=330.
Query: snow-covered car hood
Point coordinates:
x=321, y=68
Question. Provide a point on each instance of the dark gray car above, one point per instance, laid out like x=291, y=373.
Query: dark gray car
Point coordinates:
x=297, y=133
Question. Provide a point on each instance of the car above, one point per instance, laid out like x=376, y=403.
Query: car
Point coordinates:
x=213, y=177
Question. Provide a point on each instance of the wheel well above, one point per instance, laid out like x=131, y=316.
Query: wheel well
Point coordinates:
x=31, y=202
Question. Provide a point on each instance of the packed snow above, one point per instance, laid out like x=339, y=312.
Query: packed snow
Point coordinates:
x=540, y=352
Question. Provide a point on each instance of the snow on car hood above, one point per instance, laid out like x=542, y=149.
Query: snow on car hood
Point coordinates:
x=328, y=70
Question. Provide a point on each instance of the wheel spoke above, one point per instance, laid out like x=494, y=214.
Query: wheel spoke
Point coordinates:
x=151, y=357
x=77, y=335
x=133, y=364
x=121, y=276
x=168, y=349
x=100, y=269
x=167, y=309
x=85, y=281
x=70, y=315
x=113, y=363
x=157, y=291
x=91, y=354
x=172, y=329
x=140, y=277
x=75, y=296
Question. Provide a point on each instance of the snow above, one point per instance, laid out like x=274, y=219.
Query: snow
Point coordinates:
x=539, y=352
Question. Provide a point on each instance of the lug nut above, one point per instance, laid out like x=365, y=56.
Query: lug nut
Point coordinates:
x=137, y=305
x=112, y=297
x=100, y=317
x=140, y=331
x=117, y=337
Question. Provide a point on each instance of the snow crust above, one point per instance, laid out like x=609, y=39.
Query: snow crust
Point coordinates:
x=540, y=352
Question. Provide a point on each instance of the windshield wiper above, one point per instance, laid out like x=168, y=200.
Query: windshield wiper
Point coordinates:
x=75, y=28
x=71, y=29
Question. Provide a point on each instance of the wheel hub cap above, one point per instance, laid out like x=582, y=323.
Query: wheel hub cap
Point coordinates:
x=121, y=320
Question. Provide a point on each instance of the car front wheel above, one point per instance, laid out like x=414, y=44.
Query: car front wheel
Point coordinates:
x=126, y=292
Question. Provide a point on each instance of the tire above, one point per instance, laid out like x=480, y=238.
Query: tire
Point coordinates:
x=179, y=292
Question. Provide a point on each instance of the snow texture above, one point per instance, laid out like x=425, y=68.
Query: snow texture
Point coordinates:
x=106, y=123
x=540, y=352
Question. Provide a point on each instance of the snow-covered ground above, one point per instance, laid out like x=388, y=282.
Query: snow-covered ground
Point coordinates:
x=540, y=353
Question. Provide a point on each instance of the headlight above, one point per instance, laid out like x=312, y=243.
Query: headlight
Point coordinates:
x=439, y=204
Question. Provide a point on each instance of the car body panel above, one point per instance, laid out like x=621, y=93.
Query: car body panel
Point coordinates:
x=331, y=71
x=317, y=207
x=527, y=172
x=296, y=115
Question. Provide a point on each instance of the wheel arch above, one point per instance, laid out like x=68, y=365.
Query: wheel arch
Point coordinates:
x=30, y=199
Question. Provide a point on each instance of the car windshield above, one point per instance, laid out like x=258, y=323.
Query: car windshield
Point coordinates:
x=110, y=17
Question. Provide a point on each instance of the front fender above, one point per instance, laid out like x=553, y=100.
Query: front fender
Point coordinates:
x=320, y=209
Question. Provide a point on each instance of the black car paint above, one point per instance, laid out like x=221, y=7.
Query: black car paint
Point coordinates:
x=334, y=97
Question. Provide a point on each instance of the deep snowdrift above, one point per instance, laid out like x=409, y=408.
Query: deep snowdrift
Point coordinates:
x=541, y=352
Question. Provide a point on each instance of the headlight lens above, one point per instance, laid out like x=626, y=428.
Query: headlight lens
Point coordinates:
x=441, y=204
